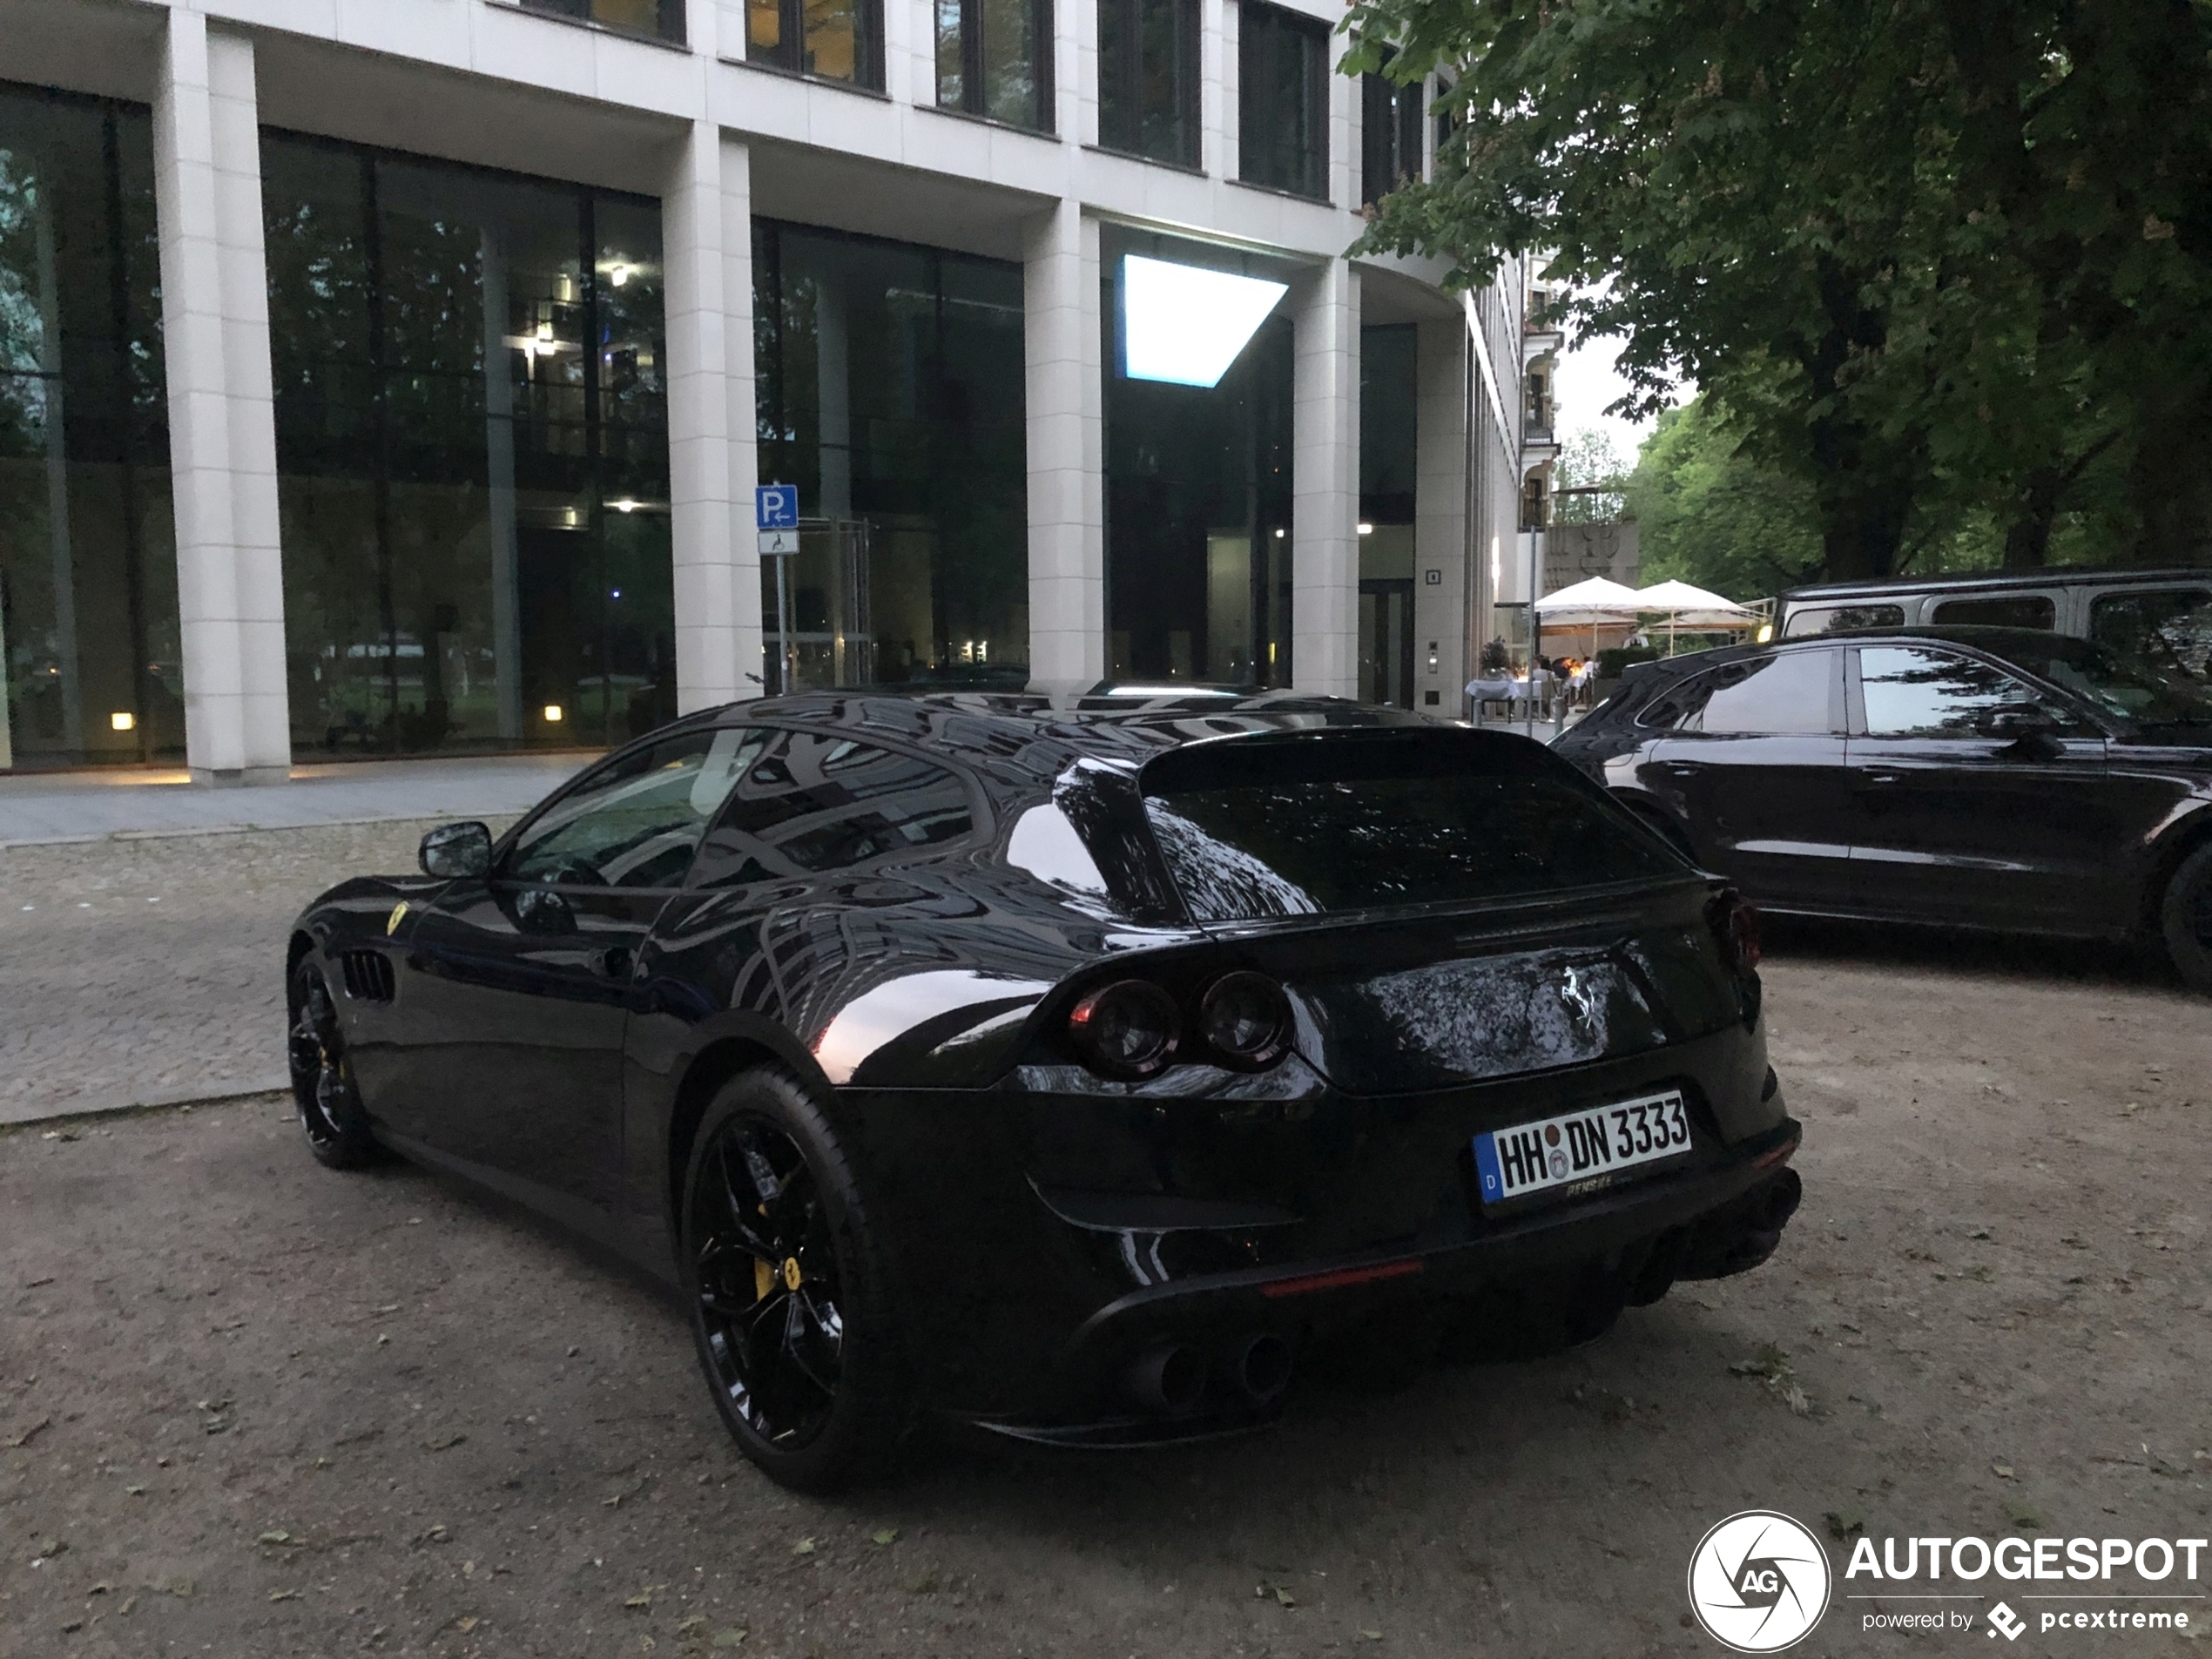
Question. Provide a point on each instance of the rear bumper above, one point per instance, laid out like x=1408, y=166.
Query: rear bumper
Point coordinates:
x=1702, y=1221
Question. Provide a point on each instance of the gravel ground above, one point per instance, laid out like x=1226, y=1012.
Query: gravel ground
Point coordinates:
x=143, y=969
x=251, y=1407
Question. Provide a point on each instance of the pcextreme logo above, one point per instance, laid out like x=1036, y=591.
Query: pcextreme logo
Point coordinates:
x=1759, y=1581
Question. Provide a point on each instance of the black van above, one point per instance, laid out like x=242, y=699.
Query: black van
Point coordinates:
x=2123, y=610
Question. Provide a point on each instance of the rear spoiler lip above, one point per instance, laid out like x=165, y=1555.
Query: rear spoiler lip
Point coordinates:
x=1548, y=915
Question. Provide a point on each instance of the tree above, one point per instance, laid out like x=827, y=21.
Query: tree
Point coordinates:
x=1923, y=256
x=1587, y=480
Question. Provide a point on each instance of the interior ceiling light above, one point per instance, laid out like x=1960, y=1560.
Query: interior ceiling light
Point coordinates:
x=1185, y=325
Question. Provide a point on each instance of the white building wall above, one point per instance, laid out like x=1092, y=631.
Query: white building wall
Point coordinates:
x=1325, y=502
x=485, y=82
x=222, y=426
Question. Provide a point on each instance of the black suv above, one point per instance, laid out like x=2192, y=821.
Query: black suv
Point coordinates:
x=1985, y=777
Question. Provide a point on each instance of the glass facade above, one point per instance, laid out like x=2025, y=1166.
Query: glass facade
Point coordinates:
x=834, y=40
x=1282, y=101
x=995, y=59
x=1390, y=128
x=88, y=569
x=1148, y=79
x=1198, y=487
x=662, y=18
x=472, y=453
x=890, y=391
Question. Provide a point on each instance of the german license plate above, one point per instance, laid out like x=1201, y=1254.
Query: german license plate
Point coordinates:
x=1591, y=1145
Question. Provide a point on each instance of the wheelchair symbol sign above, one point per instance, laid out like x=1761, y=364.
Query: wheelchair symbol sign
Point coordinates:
x=775, y=507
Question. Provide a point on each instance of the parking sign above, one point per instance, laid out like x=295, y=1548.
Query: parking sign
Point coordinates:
x=775, y=507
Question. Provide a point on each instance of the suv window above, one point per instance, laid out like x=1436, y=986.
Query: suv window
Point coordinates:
x=2177, y=621
x=1835, y=619
x=635, y=822
x=1790, y=694
x=1911, y=691
x=2002, y=610
x=815, y=801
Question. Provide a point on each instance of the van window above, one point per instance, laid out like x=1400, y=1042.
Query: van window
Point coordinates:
x=1835, y=619
x=2000, y=611
x=2176, y=623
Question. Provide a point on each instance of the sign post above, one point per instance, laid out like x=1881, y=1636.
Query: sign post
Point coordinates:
x=775, y=512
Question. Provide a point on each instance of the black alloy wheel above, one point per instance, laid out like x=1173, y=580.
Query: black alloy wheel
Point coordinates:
x=789, y=1298
x=322, y=1079
x=2185, y=919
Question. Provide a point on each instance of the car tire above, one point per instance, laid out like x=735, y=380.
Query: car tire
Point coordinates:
x=324, y=1091
x=2185, y=919
x=788, y=1281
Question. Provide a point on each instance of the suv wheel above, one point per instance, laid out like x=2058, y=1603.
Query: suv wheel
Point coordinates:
x=2185, y=919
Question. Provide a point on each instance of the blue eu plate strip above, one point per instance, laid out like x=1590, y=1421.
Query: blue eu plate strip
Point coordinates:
x=1486, y=1164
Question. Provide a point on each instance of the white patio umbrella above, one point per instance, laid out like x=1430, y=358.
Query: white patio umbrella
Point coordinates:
x=1587, y=604
x=1704, y=607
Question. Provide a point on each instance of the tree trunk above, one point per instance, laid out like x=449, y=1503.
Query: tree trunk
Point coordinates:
x=1861, y=534
x=2027, y=538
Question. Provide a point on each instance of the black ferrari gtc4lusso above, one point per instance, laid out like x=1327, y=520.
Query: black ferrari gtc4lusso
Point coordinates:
x=1065, y=1067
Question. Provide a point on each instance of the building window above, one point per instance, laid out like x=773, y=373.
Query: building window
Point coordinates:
x=890, y=391
x=1147, y=78
x=91, y=668
x=1390, y=125
x=663, y=19
x=834, y=40
x=1199, y=483
x=994, y=59
x=1282, y=101
x=472, y=455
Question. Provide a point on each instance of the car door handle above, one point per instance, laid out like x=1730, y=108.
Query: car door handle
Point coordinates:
x=1681, y=768
x=1881, y=777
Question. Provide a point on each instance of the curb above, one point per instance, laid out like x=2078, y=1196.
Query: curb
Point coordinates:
x=249, y=829
x=170, y=1100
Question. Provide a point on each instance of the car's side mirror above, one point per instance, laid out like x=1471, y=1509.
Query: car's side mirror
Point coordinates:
x=2010, y=722
x=456, y=850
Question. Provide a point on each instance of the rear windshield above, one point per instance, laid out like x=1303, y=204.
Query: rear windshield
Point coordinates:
x=1254, y=827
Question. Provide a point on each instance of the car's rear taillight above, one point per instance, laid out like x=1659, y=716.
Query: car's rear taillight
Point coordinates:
x=1734, y=921
x=1245, y=1020
x=1127, y=1030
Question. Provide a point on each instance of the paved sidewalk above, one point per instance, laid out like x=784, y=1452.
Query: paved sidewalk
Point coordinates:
x=44, y=808
x=148, y=969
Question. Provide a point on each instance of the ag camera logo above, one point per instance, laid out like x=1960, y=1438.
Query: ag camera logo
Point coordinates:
x=1759, y=1581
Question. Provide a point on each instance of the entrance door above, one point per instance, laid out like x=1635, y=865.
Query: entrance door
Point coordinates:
x=1387, y=642
x=825, y=602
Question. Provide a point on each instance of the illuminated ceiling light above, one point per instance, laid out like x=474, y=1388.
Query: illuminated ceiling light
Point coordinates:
x=618, y=273
x=552, y=714
x=1366, y=530
x=627, y=505
x=1184, y=325
x=122, y=720
x=1279, y=535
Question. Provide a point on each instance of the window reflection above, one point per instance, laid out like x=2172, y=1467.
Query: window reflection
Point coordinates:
x=1282, y=100
x=837, y=40
x=1147, y=78
x=1198, y=492
x=994, y=59
x=90, y=667
x=891, y=393
x=472, y=456
x=662, y=18
x=1914, y=693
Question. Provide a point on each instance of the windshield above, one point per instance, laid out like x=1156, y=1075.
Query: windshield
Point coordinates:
x=2147, y=685
x=1286, y=826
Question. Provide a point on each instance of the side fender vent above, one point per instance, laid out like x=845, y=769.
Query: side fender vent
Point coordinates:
x=368, y=975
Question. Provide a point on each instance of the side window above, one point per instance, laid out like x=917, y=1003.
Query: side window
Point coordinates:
x=634, y=824
x=1911, y=692
x=1835, y=619
x=1790, y=694
x=2001, y=610
x=817, y=802
x=2177, y=623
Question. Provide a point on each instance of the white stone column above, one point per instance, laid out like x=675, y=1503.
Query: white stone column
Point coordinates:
x=1325, y=504
x=1441, y=544
x=222, y=425
x=713, y=451
x=1066, y=458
